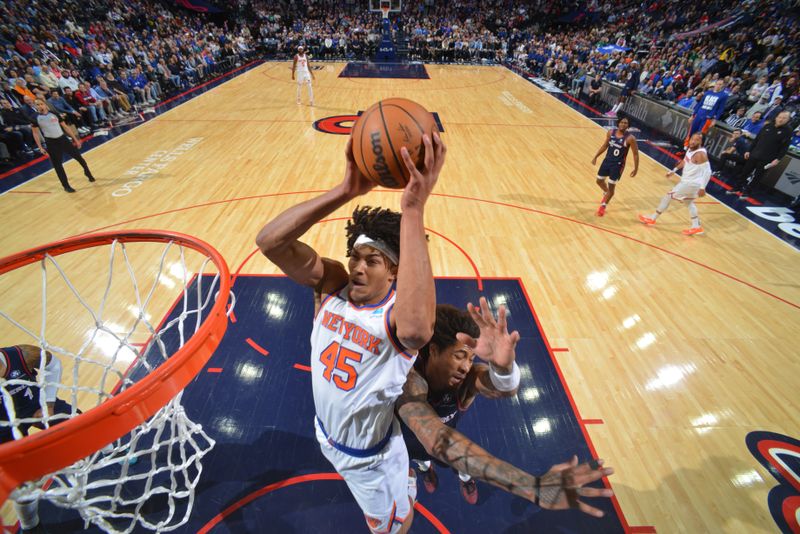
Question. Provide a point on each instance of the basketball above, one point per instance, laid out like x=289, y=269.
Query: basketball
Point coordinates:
x=379, y=134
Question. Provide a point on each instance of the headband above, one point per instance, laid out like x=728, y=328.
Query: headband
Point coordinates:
x=378, y=245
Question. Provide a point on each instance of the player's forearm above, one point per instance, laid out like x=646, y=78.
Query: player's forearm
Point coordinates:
x=415, y=303
x=600, y=152
x=290, y=225
x=461, y=453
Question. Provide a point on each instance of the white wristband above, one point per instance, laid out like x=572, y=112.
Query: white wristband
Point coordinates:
x=508, y=382
x=52, y=378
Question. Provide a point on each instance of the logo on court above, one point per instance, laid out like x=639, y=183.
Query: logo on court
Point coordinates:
x=793, y=177
x=343, y=124
x=780, y=455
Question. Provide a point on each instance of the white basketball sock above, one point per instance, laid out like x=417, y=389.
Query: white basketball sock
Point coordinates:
x=662, y=207
x=464, y=477
x=694, y=215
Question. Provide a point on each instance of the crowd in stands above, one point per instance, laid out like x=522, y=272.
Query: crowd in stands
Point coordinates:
x=98, y=60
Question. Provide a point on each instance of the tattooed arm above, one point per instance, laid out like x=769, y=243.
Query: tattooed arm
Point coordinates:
x=559, y=488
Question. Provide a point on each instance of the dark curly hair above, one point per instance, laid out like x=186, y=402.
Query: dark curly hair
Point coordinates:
x=449, y=321
x=377, y=223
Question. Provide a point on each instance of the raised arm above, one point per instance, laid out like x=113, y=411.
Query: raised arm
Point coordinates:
x=278, y=239
x=414, y=310
x=496, y=346
x=559, y=488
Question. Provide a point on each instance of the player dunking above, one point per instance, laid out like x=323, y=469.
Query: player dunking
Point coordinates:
x=710, y=111
x=301, y=71
x=616, y=146
x=696, y=174
x=365, y=335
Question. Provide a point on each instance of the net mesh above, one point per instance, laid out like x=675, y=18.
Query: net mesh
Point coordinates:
x=146, y=478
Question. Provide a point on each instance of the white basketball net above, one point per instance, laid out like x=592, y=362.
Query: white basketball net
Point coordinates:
x=158, y=461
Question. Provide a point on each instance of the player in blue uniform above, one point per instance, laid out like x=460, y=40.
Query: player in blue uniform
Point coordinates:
x=710, y=110
x=444, y=382
x=19, y=369
x=616, y=146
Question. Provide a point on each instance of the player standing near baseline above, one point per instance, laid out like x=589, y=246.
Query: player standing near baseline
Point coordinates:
x=301, y=71
x=366, y=335
x=616, y=145
x=696, y=174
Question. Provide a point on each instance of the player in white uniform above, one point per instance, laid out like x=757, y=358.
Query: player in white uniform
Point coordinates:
x=301, y=71
x=696, y=174
x=366, y=335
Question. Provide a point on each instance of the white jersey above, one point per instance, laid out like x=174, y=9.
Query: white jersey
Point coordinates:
x=695, y=174
x=358, y=369
x=302, y=65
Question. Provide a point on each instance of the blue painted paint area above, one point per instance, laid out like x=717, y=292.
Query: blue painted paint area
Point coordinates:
x=771, y=215
x=415, y=71
x=28, y=173
x=260, y=410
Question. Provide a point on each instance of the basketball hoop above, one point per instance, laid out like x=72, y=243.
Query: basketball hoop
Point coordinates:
x=385, y=11
x=133, y=439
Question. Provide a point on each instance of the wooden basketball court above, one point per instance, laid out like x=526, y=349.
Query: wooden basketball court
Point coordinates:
x=675, y=348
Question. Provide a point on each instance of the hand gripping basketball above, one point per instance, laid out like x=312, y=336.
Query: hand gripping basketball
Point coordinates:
x=421, y=183
x=355, y=183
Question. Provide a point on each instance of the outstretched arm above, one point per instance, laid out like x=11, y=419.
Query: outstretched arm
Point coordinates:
x=278, y=239
x=559, y=488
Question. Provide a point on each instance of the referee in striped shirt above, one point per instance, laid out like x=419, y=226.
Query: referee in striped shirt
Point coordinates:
x=53, y=129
